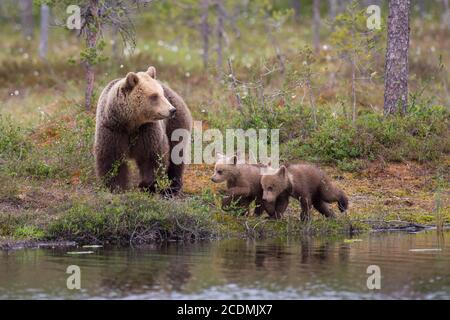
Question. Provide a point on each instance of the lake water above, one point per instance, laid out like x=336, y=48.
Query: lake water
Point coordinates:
x=306, y=268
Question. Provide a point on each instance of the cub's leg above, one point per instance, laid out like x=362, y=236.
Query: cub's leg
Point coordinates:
x=323, y=208
x=281, y=204
x=110, y=158
x=259, y=209
x=269, y=207
x=230, y=202
x=330, y=193
x=276, y=209
x=305, y=204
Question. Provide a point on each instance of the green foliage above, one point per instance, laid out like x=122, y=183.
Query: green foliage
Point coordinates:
x=94, y=55
x=62, y=149
x=28, y=232
x=352, y=38
x=13, y=143
x=422, y=135
x=135, y=217
x=21, y=226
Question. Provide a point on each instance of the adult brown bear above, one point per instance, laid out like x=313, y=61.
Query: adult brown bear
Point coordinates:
x=136, y=117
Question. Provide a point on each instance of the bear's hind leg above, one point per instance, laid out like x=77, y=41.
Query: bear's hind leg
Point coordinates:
x=323, y=208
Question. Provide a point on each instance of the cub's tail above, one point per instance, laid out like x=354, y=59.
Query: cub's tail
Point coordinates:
x=342, y=201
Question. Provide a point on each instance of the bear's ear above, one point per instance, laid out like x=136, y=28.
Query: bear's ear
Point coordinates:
x=131, y=80
x=282, y=171
x=152, y=72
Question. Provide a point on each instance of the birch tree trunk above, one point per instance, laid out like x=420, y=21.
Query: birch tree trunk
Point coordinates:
x=396, y=67
x=43, y=41
x=204, y=29
x=26, y=17
x=316, y=25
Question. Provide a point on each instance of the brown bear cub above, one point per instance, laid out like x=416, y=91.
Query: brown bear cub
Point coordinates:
x=136, y=116
x=244, y=187
x=306, y=183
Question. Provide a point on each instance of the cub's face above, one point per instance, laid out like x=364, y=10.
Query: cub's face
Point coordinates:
x=225, y=169
x=274, y=184
x=146, y=98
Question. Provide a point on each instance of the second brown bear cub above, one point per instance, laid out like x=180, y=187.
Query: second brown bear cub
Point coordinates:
x=244, y=187
x=306, y=183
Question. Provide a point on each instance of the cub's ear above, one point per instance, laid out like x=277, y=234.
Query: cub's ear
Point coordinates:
x=282, y=171
x=152, y=72
x=131, y=80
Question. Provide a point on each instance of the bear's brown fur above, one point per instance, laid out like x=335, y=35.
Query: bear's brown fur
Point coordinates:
x=306, y=183
x=244, y=187
x=135, y=118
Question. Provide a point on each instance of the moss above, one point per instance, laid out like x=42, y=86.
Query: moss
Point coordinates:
x=28, y=232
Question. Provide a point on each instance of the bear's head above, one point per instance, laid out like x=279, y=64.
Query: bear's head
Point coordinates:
x=225, y=168
x=145, y=98
x=274, y=184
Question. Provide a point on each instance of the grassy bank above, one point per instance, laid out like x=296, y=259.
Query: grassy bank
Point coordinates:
x=136, y=218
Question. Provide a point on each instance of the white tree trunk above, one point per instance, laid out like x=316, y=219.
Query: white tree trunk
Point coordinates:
x=43, y=41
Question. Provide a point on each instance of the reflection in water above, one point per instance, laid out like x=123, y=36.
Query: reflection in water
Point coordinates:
x=272, y=269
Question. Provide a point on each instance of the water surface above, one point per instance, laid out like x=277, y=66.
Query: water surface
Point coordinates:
x=307, y=268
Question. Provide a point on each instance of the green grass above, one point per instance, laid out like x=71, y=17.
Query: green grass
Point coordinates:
x=138, y=218
x=421, y=136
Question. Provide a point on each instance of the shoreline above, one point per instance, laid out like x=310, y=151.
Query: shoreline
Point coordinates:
x=390, y=227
